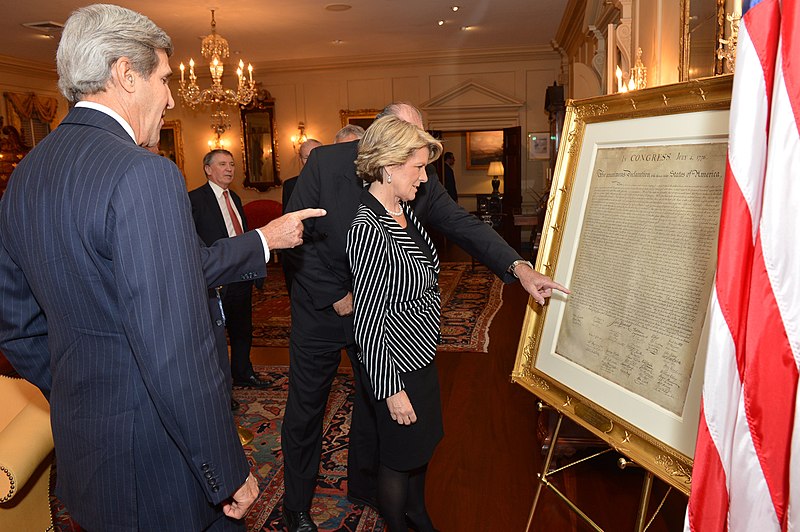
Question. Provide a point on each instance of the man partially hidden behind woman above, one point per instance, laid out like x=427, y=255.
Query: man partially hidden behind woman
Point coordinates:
x=397, y=305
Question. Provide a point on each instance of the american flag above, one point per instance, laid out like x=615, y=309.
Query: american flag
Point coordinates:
x=747, y=463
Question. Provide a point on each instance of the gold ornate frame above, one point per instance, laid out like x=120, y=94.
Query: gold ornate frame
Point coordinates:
x=262, y=167
x=359, y=117
x=691, y=110
x=170, y=144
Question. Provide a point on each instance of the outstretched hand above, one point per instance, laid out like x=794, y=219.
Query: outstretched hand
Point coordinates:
x=538, y=285
x=287, y=231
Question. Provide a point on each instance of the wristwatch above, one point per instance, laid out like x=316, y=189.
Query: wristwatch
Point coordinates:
x=513, y=268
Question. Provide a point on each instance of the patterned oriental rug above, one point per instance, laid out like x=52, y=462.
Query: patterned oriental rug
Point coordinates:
x=261, y=412
x=470, y=300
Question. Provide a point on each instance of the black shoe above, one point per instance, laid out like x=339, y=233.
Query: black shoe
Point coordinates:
x=298, y=521
x=251, y=382
x=234, y=404
x=363, y=501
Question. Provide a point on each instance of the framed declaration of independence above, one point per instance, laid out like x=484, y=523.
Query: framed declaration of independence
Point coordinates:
x=631, y=229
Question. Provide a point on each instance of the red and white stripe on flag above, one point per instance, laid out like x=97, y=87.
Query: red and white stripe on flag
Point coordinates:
x=747, y=462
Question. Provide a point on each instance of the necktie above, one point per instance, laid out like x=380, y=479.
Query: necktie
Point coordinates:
x=237, y=227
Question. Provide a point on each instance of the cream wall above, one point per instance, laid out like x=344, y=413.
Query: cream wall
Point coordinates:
x=316, y=93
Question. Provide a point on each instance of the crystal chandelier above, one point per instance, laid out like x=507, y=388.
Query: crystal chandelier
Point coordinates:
x=215, y=49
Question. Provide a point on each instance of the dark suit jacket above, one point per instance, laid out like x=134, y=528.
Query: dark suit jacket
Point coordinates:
x=328, y=180
x=207, y=215
x=288, y=187
x=208, y=218
x=450, y=182
x=104, y=308
x=286, y=263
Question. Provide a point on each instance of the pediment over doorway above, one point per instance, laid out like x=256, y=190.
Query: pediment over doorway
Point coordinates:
x=472, y=106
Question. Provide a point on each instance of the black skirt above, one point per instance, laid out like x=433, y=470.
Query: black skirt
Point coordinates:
x=407, y=447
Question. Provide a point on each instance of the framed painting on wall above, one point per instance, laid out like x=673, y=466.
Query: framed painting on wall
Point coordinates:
x=538, y=146
x=170, y=143
x=359, y=117
x=636, y=197
x=483, y=147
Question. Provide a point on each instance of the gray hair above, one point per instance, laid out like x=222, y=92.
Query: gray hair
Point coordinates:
x=210, y=156
x=307, y=147
x=95, y=37
x=399, y=109
x=350, y=130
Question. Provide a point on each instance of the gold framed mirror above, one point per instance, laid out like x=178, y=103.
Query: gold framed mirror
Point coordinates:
x=260, y=142
x=706, y=28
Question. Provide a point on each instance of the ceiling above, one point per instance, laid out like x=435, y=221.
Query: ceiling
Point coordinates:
x=265, y=31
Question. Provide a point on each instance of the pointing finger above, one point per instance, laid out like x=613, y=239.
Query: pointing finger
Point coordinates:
x=553, y=284
x=310, y=213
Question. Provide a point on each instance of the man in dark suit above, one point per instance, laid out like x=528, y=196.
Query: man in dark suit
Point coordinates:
x=450, y=175
x=218, y=213
x=102, y=296
x=322, y=314
x=288, y=187
x=303, y=152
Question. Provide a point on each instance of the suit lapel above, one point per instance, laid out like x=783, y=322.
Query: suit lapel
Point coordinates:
x=212, y=205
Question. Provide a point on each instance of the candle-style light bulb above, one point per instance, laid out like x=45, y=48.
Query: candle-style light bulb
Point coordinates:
x=250, y=71
x=182, y=69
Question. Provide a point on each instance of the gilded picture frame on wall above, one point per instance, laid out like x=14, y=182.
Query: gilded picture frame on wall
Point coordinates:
x=170, y=143
x=631, y=229
x=483, y=147
x=358, y=117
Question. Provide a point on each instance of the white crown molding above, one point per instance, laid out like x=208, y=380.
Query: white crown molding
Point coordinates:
x=492, y=97
x=413, y=59
x=14, y=65
x=491, y=109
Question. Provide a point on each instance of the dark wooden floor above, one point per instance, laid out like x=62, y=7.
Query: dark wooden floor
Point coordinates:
x=483, y=475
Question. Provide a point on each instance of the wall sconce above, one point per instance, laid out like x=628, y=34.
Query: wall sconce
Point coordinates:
x=495, y=171
x=301, y=136
x=217, y=143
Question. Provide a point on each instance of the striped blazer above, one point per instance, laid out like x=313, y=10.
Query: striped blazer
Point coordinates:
x=395, y=296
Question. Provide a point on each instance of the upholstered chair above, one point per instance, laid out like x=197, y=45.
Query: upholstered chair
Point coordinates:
x=26, y=456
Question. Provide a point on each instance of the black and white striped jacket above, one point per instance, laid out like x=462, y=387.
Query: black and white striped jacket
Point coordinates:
x=395, y=296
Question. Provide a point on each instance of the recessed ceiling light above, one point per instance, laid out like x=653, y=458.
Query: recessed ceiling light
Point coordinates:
x=441, y=23
x=454, y=8
x=46, y=27
x=338, y=7
x=467, y=28
x=337, y=42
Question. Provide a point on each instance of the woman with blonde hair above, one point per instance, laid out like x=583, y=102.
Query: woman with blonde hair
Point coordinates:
x=397, y=306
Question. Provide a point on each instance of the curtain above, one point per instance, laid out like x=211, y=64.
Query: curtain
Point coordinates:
x=26, y=105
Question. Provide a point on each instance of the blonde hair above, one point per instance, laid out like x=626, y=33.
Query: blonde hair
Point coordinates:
x=391, y=141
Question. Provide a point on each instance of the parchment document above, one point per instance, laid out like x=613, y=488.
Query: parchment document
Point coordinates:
x=644, y=267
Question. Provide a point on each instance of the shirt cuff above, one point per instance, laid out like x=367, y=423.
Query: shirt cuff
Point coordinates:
x=264, y=243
